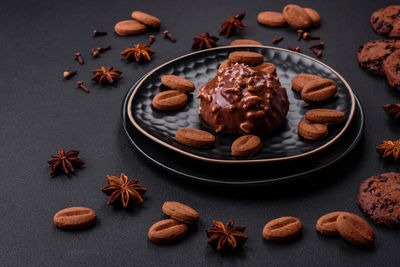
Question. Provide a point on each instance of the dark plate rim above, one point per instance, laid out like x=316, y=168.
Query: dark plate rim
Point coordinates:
x=240, y=161
x=214, y=182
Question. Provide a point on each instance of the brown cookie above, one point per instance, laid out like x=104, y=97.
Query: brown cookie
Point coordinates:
x=146, y=19
x=271, y=18
x=328, y=116
x=246, y=57
x=312, y=131
x=355, y=230
x=386, y=21
x=315, y=17
x=169, y=100
x=302, y=79
x=379, y=198
x=195, y=138
x=296, y=17
x=372, y=54
x=75, y=218
x=180, y=212
x=266, y=67
x=167, y=231
x=391, y=66
x=245, y=42
x=129, y=27
x=319, y=91
x=178, y=83
x=282, y=229
x=326, y=224
x=246, y=146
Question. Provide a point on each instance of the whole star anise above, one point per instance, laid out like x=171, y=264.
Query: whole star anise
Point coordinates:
x=389, y=149
x=393, y=110
x=221, y=236
x=121, y=188
x=201, y=41
x=139, y=52
x=235, y=22
x=66, y=162
x=104, y=75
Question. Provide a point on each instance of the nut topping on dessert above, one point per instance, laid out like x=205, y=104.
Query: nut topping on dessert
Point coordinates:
x=241, y=99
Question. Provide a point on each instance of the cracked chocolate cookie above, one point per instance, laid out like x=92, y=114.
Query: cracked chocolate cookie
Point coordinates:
x=372, y=54
x=379, y=198
x=386, y=21
x=391, y=66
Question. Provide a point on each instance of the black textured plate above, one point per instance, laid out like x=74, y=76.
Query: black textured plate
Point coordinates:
x=199, y=67
x=247, y=174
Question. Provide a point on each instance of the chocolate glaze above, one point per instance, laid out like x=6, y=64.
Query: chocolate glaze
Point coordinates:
x=242, y=100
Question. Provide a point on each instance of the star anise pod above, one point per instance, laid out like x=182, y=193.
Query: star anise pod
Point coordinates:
x=233, y=23
x=389, y=149
x=221, y=236
x=201, y=41
x=121, y=188
x=393, y=110
x=66, y=162
x=139, y=52
x=104, y=75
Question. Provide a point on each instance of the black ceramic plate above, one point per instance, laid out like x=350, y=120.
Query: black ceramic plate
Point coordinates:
x=248, y=174
x=199, y=67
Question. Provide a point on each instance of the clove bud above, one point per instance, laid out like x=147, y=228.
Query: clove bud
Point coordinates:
x=79, y=58
x=308, y=36
x=97, y=33
x=317, y=45
x=277, y=40
x=299, y=34
x=69, y=74
x=168, y=35
x=317, y=52
x=84, y=88
x=152, y=38
x=296, y=49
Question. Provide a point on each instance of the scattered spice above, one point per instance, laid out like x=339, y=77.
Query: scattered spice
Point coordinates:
x=201, y=41
x=152, y=38
x=299, y=34
x=308, y=36
x=296, y=49
x=392, y=110
x=69, y=74
x=79, y=58
x=97, y=33
x=317, y=52
x=389, y=149
x=65, y=162
x=94, y=53
x=124, y=189
x=139, y=52
x=221, y=236
x=169, y=36
x=103, y=75
x=235, y=22
x=101, y=50
x=319, y=45
x=277, y=40
x=84, y=88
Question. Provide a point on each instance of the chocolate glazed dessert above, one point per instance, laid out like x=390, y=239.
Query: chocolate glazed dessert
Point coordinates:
x=241, y=100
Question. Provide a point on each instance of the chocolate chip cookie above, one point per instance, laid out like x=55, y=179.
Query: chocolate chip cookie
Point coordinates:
x=372, y=54
x=379, y=198
x=391, y=66
x=386, y=21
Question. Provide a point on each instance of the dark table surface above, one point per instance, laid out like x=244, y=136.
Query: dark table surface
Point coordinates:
x=40, y=113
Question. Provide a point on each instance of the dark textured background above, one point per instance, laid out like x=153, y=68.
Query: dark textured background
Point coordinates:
x=40, y=113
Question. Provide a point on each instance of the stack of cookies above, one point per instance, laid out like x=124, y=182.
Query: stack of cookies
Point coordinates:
x=382, y=57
